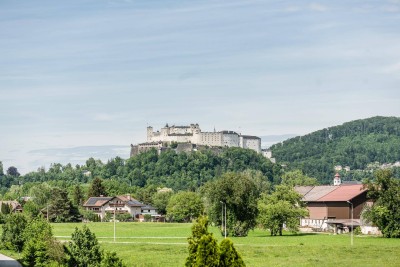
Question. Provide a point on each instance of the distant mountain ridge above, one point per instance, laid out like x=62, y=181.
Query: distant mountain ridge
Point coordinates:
x=354, y=144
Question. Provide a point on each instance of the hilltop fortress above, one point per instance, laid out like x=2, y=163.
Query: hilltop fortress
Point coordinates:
x=189, y=137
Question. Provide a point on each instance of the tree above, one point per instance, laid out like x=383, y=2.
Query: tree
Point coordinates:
x=97, y=188
x=184, y=206
x=1, y=169
x=229, y=257
x=239, y=193
x=284, y=206
x=204, y=249
x=199, y=230
x=12, y=235
x=110, y=259
x=160, y=201
x=78, y=196
x=5, y=208
x=84, y=249
x=13, y=171
x=385, y=212
x=60, y=207
x=41, y=194
x=297, y=177
x=41, y=248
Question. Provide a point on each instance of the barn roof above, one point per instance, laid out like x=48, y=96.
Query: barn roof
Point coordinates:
x=344, y=193
x=326, y=193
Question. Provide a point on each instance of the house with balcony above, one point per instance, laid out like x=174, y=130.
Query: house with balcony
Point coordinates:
x=119, y=205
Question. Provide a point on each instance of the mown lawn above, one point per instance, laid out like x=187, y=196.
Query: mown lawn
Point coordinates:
x=165, y=244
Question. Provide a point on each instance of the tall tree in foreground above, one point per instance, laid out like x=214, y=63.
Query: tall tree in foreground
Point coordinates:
x=284, y=206
x=385, y=212
x=239, y=193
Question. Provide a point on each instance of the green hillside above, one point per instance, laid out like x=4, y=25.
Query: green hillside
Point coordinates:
x=355, y=144
x=179, y=171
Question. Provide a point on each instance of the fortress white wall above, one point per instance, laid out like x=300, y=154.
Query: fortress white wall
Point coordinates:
x=193, y=134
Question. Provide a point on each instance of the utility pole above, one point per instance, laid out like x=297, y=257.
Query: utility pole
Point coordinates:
x=352, y=223
x=222, y=217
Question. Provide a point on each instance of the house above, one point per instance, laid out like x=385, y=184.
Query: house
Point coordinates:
x=335, y=207
x=15, y=206
x=119, y=204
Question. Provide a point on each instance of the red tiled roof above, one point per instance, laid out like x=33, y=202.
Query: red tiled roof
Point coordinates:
x=343, y=193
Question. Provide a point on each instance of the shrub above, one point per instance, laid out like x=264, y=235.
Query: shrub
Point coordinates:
x=12, y=236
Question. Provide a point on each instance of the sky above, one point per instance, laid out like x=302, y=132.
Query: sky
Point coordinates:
x=82, y=79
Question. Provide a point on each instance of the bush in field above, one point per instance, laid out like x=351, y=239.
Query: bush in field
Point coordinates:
x=124, y=217
x=90, y=216
x=229, y=257
x=110, y=259
x=204, y=249
x=84, y=250
x=147, y=217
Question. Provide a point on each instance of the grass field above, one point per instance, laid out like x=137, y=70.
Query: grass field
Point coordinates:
x=165, y=244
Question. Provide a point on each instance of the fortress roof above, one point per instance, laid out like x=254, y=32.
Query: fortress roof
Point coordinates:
x=250, y=137
x=229, y=132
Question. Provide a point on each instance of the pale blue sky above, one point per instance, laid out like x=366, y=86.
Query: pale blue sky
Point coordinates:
x=84, y=78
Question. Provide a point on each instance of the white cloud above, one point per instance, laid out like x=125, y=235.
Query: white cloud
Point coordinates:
x=318, y=7
x=392, y=69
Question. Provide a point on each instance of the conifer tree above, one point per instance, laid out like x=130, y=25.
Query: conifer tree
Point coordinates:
x=97, y=188
x=229, y=257
x=204, y=249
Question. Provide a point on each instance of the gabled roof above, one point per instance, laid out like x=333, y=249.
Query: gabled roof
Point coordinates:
x=97, y=201
x=131, y=202
x=319, y=191
x=326, y=193
x=101, y=201
x=344, y=193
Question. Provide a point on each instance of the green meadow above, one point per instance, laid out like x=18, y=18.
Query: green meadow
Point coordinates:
x=165, y=244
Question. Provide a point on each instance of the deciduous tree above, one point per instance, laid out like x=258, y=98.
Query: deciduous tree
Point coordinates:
x=184, y=206
x=284, y=206
x=239, y=193
x=385, y=212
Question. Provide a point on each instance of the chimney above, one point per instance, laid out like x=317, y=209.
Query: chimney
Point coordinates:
x=337, y=180
x=128, y=196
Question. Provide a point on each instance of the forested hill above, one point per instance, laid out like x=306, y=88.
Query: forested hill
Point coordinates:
x=179, y=171
x=354, y=144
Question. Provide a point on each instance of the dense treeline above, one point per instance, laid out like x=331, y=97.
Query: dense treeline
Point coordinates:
x=179, y=171
x=355, y=144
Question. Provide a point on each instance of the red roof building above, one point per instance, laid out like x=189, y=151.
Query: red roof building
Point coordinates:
x=333, y=205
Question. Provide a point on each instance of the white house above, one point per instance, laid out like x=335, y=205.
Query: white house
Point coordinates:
x=118, y=204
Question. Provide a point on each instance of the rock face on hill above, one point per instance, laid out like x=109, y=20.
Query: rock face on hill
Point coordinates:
x=354, y=144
